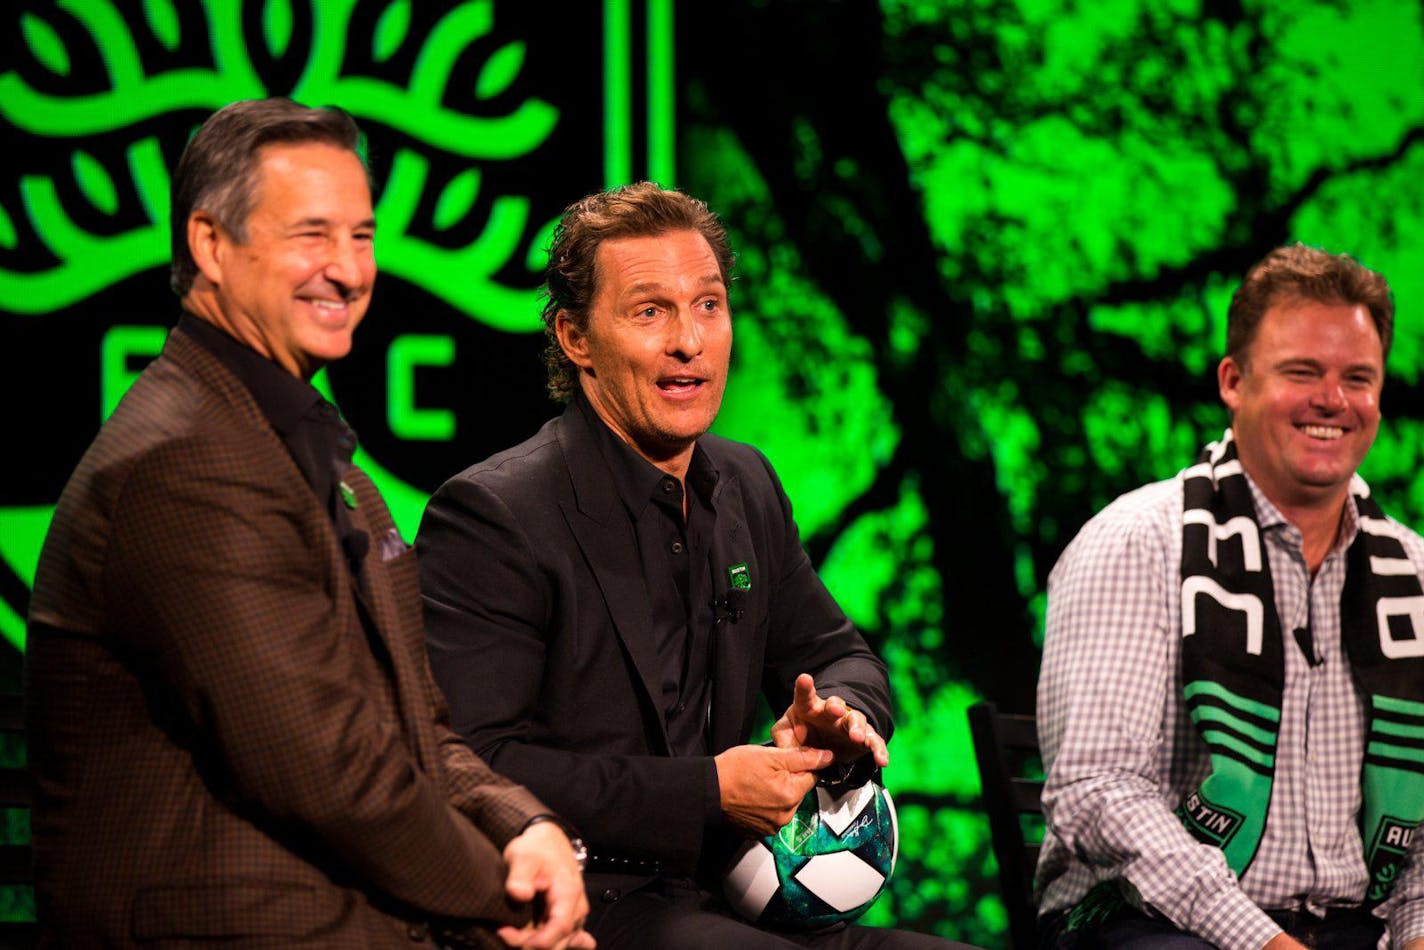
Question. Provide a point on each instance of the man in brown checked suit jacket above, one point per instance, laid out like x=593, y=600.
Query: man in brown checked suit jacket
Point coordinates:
x=232, y=724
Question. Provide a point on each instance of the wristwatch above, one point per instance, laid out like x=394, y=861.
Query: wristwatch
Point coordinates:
x=580, y=848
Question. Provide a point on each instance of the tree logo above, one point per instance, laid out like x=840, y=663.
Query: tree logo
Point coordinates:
x=483, y=120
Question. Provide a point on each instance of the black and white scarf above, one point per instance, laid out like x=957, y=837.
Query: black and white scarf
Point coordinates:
x=1233, y=667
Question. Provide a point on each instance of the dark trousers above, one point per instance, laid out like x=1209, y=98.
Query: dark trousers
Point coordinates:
x=677, y=915
x=1340, y=929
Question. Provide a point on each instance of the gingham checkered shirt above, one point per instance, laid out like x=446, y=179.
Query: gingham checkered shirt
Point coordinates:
x=1122, y=753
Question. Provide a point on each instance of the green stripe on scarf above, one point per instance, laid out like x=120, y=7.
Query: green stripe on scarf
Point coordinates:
x=1208, y=715
x=1395, y=752
x=1207, y=688
x=1399, y=729
x=1391, y=704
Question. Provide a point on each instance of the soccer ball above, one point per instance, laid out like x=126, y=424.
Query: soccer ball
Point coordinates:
x=826, y=866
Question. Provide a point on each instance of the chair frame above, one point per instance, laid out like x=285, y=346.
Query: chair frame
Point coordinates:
x=999, y=740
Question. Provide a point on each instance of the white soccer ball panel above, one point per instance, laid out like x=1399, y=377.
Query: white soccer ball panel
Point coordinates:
x=839, y=812
x=840, y=879
x=751, y=881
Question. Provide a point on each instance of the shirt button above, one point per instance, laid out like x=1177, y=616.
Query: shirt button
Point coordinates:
x=668, y=486
x=610, y=895
x=677, y=547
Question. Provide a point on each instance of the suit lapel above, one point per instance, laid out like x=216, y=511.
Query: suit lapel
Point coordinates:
x=731, y=660
x=379, y=599
x=376, y=595
x=606, y=538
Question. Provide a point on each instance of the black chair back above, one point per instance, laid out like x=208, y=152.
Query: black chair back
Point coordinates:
x=1011, y=776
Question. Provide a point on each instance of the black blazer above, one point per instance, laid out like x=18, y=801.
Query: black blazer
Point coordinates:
x=540, y=634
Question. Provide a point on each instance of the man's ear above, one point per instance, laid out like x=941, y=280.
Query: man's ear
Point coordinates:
x=207, y=244
x=573, y=340
x=1229, y=375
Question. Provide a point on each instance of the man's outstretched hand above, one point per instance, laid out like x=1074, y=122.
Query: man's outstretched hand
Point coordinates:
x=827, y=724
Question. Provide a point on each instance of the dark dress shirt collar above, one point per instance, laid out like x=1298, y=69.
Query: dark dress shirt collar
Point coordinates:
x=638, y=481
x=310, y=427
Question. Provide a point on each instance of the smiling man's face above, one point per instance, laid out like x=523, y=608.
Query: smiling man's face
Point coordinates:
x=298, y=286
x=653, y=357
x=1304, y=399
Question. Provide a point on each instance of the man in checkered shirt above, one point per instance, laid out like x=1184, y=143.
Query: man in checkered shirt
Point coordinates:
x=1136, y=854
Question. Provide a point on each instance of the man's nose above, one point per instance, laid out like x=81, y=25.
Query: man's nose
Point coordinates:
x=1329, y=396
x=343, y=263
x=684, y=335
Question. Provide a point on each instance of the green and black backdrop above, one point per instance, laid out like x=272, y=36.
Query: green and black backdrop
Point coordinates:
x=985, y=249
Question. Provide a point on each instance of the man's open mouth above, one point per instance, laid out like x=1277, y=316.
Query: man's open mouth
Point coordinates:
x=679, y=384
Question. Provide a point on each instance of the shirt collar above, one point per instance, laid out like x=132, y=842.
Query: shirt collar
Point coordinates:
x=315, y=435
x=283, y=398
x=1268, y=516
x=637, y=480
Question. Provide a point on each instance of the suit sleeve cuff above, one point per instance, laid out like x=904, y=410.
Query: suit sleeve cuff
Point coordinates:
x=505, y=820
x=712, y=796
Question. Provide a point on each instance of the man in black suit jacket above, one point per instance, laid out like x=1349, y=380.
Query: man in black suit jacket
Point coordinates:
x=606, y=601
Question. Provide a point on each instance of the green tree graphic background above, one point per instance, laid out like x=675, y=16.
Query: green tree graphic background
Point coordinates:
x=985, y=252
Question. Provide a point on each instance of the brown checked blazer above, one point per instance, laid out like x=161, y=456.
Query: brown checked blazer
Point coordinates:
x=221, y=751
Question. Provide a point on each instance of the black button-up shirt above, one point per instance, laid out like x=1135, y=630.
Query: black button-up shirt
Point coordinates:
x=675, y=554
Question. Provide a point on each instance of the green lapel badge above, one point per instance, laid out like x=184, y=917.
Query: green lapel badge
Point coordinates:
x=740, y=576
x=347, y=495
